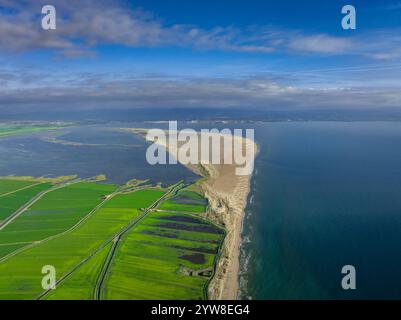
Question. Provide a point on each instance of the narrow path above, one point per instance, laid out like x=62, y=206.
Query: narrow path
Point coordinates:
x=26, y=206
x=106, y=266
x=35, y=243
x=20, y=189
x=15, y=243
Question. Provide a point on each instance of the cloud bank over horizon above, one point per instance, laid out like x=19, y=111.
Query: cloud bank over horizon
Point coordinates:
x=91, y=34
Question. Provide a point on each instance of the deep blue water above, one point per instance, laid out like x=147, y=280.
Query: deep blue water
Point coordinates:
x=324, y=195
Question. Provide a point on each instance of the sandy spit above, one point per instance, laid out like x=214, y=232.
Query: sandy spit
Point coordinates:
x=227, y=194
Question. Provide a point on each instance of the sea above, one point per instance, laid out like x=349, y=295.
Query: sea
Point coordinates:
x=324, y=195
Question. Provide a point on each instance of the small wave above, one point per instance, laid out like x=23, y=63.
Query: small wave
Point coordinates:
x=251, y=199
x=246, y=240
x=243, y=274
x=249, y=214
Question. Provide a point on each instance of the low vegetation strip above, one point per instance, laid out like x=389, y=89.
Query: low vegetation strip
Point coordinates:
x=11, y=130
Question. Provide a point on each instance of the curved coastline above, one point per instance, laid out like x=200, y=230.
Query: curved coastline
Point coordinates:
x=227, y=194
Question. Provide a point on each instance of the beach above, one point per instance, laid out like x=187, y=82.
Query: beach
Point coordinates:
x=227, y=194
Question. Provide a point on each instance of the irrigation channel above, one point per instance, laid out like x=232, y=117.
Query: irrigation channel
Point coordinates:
x=115, y=239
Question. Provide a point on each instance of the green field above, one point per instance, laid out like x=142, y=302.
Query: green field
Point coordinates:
x=55, y=212
x=160, y=254
x=10, y=185
x=160, y=258
x=186, y=201
x=68, y=250
x=80, y=285
x=102, y=227
x=10, y=201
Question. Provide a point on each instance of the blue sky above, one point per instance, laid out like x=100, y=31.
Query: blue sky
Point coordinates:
x=263, y=54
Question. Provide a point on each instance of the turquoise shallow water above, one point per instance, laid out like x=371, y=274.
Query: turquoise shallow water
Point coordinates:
x=324, y=195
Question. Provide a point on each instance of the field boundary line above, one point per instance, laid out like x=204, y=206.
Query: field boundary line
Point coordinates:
x=197, y=215
x=15, y=243
x=220, y=246
x=38, y=242
x=117, y=240
x=26, y=187
x=107, y=242
x=31, y=202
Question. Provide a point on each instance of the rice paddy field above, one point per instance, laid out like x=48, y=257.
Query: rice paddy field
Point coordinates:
x=10, y=185
x=105, y=241
x=168, y=256
x=14, y=194
x=54, y=212
x=186, y=201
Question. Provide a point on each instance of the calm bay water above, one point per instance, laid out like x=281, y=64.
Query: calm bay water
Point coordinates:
x=324, y=195
x=97, y=150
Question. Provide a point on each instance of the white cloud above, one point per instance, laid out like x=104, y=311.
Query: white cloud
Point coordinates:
x=104, y=22
x=321, y=43
x=81, y=28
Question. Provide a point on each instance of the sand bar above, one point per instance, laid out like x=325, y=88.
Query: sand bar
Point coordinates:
x=227, y=194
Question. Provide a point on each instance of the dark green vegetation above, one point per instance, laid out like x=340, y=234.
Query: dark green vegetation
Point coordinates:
x=167, y=256
x=187, y=201
x=106, y=242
